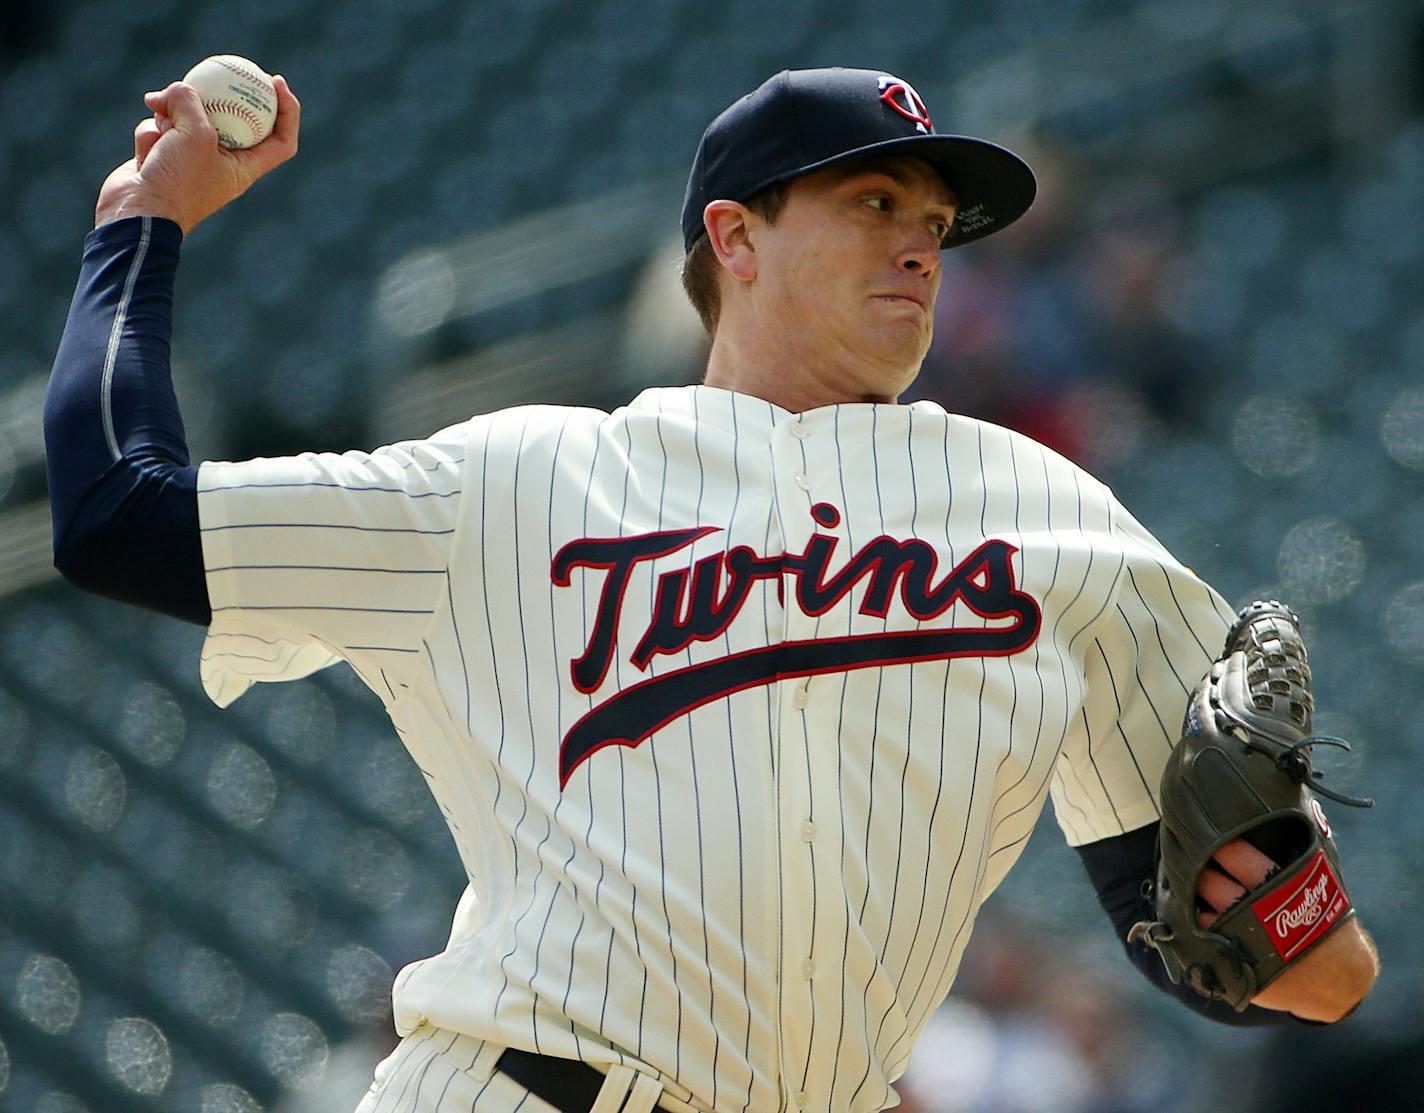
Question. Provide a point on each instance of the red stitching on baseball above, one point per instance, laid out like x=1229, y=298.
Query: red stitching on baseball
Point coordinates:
x=237, y=109
x=241, y=71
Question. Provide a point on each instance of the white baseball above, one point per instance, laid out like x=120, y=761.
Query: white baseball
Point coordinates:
x=238, y=96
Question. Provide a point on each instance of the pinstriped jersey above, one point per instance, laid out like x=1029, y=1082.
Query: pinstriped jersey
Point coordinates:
x=736, y=715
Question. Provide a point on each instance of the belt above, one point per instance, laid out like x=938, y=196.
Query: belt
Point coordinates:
x=565, y=1084
x=575, y=1087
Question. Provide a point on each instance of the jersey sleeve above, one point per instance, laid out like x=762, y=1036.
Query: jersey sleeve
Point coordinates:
x=1160, y=630
x=320, y=557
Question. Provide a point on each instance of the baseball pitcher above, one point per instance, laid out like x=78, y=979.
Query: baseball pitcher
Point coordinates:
x=741, y=699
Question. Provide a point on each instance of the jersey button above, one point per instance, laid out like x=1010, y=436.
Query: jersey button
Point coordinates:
x=807, y=969
x=800, y=699
x=802, y=1098
x=808, y=831
x=800, y=432
x=804, y=482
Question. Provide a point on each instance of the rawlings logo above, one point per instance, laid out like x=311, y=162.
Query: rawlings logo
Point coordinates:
x=698, y=604
x=1302, y=910
x=901, y=96
x=1310, y=909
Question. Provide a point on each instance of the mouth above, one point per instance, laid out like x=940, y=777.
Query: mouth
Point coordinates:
x=911, y=299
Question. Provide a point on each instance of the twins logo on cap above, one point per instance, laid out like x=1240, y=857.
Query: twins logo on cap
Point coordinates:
x=901, y=96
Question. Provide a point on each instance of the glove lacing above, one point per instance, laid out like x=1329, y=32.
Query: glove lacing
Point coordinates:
x=1294, y=762
x=1204, y=978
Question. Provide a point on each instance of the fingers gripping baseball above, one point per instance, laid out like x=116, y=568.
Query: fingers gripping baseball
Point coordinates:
x=179, y=170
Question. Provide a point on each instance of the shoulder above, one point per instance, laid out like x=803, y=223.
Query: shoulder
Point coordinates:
x=519, y=429
x=1010, y=453
x=537, y=428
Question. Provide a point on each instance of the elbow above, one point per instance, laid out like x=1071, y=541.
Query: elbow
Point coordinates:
x=137, y=544
x=78, y=556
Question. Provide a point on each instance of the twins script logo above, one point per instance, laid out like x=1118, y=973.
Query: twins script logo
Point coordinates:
x=699, y=603
x=901, y=96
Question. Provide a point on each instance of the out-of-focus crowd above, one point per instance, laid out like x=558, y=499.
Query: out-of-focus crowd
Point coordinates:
x=1062, y=332
x=1028, y=1029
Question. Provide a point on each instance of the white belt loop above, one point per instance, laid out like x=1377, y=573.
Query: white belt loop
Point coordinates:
x=646, y=1092
x=614, y=1090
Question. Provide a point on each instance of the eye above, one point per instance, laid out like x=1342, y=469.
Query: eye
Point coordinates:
x=880, y=203
x=940, y=228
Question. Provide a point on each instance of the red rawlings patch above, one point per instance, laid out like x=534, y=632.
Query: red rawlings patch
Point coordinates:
x=1303, y=909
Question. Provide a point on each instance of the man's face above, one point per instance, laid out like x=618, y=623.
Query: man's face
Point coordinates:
x=849, y=271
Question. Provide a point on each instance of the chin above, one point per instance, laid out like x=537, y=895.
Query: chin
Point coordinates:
x=901, y=357
x=903, y=337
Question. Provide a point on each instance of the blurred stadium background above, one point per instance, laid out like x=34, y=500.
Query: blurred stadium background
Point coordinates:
x=1209, y=307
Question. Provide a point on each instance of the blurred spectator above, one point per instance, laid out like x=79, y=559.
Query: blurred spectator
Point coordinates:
x=1024, y=1031
x=1058, y=330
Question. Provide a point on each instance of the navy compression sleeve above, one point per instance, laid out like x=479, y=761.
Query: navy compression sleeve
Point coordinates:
x=1120, y=867
x=123, y=496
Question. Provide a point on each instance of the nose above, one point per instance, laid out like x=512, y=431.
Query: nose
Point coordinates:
x=920, y=253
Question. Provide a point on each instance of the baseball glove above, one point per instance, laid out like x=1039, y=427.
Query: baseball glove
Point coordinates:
x=1243, y=770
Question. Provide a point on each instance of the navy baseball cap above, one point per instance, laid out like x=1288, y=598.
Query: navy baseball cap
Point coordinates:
x=803, y=120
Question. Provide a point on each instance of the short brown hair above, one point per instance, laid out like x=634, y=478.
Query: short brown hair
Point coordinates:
x=701, y=270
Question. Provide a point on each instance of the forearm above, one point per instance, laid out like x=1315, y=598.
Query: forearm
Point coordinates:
x=1329, y=982
x=1118, y=868
x=122, y=495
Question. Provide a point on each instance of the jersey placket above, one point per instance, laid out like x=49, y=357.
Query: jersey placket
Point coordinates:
x=806, y=794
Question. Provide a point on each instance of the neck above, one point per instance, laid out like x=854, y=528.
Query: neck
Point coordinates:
x=789, y=377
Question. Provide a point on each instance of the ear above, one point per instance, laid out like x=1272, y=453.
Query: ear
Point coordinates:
x=729, y=226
